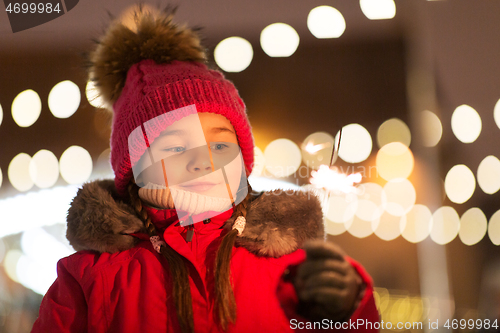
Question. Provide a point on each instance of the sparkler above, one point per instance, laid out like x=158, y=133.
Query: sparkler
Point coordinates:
x=329, y=178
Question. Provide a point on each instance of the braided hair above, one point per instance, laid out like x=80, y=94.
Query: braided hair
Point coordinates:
x=178, y=270
x=225, y=303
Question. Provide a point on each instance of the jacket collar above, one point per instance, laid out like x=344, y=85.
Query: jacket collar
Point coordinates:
x=277, y=222
x=162, y=218
x=177, y=223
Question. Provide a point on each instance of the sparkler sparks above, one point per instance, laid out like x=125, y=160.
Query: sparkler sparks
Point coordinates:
x=334, y=181
x=312, y=148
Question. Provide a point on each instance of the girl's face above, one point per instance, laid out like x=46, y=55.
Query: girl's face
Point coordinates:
x=198, y=153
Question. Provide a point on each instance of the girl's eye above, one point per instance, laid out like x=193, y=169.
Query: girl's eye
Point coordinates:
x=176, y=149
x=219, y=146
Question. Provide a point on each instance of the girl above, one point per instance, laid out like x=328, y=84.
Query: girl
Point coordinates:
x=178, y=242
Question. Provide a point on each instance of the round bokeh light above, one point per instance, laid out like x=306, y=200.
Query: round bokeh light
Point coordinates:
x=394, y=160
x=44, y=169
x=445, y=225
x=279, y=40
x=282, y=157
x=18, y=172
x=75, y=165
x=393, y=130
x=317, y=149
x=26, y=108
x=466, y=124
x=473, y=226
x=459, y=184
x=488, y=174
x=64, y=99
x=355, y=143
x=326, y=22
x=416, y=225
x=431, y=128
x=233, y=54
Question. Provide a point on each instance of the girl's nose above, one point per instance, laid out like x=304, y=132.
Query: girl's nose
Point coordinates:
x=200, y=161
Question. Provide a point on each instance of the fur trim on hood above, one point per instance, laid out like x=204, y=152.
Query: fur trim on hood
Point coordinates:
x=277, y=222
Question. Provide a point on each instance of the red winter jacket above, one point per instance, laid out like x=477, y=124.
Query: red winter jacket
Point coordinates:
x=127, y=291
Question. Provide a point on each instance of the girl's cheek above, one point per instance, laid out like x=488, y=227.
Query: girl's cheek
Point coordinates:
x=154, y=174
x=233, y=172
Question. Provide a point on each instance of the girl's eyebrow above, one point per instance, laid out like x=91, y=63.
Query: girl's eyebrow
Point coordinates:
x=217, y=130
x=173, y=132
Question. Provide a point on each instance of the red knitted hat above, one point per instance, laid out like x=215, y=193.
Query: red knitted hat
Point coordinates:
x=153, y=68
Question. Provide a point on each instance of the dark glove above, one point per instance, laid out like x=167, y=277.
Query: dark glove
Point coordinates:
x=328, y=287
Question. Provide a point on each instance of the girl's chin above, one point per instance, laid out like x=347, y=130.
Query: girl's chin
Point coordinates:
x=216, y=191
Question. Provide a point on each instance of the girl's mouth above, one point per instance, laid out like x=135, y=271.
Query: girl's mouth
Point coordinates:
x=198, y=186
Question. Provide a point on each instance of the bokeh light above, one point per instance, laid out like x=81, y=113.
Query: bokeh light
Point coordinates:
x=371, y=201
x=401, y=196
x=387, y=226
x=416, y=224
x=102, y=167
x=64, y=99
x=1, y=114
x=10, y=263
x=378, y=9
x=393, y=130
x=37, y=268
x=473, y=226
x=44, y=169
x=488, y=174
x=359, y=227
x=496, y=113
x=279, y=40
x=93, y=95
x=3, y=250
x=334, y=228
x=75, y=165
x=46, y=207
x=394, y=160
x=19, y=174
x=326, y=22
x=341, y=207
x=355, y=143
x=459, y=184
x=282, y=157
x=494, y=228
x=466, y=124
x=431, y=128
x=233, y=54
x=445, y=225
x=1, y=178
x=259, y=162
x=317, y=149
x=26, y=108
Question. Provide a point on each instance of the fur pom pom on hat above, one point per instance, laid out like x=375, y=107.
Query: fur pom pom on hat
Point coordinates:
x=153, y=67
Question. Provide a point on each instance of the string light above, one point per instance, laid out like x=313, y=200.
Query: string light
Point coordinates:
x=282, y=157
x=431, y=128
x=279, y=40
x=326, y=22
x=26, y=108
x=356, y=143
x=233, y=54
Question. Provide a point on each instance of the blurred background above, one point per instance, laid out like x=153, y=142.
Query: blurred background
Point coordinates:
x=413, y=84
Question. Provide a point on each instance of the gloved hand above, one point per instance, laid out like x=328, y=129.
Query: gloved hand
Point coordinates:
x=328, y=287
